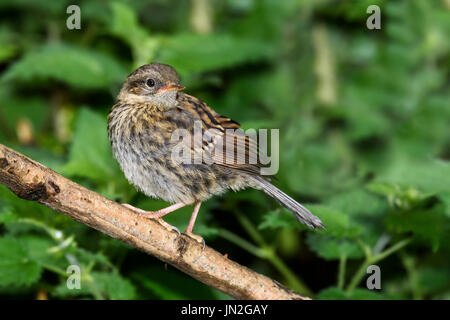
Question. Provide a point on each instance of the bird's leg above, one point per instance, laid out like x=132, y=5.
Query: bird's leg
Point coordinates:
x=158, y=214
x=191, y=224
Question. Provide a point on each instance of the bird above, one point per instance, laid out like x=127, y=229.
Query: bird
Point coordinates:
x=144, y=127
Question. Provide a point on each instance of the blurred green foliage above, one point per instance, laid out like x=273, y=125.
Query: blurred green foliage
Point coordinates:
x=364, y=120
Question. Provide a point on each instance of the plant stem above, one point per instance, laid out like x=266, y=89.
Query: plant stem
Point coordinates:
x=341, y=272
x=244, y=244
x=56, y=270
x=358, y=276
x=251, y=230
x=399, y=245
x=267, y=252
x=93, y=288
x=292, y=279
x=372, y=260
x=408, y=263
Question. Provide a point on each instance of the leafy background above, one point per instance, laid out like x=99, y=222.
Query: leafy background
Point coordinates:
x=364, y=137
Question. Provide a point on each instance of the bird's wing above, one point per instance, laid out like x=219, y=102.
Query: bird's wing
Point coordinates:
x=223, y=141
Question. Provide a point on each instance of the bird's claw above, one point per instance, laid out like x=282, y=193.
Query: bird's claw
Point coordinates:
x=197, y=238
x=168, y=226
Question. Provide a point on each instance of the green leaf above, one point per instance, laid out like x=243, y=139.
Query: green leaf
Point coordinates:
x=8, y=48
x=109, y=285
x=199, y=53
x=75, y=66
x=41, y=155
x=43, y=6
x=398, y=196
x=364, y=121
x=90, y=154
x=38, y=251
x=358, y=203
x=33, y=109
x=62, y=290
x=25, y=209
x=114, y=286
x=431, y=176
x=433, y=280
x=331, y=248
x=446, y=200
x=7, y=216
x=281, y=218
x=125, y=25
x=336, y=223
x=427, y=225
x=16, y=265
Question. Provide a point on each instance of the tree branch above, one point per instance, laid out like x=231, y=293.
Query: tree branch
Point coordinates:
x=32, y=181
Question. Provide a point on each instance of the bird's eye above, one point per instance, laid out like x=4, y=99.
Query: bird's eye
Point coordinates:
x=150, y=83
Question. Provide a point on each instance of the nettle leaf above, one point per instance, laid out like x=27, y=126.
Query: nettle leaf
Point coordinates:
x=363, y=121
x=8, y=47
x=17, y=209
x=356, y=294
x=398, y=196
x=445, y=198
x=63, y=291
x=432, y=176
x=16, y=108
x=318, y=165
x=45, y=7
x=331, y=248
x=281, y=218
x=43, y=156
x=433, y=279
x=336, y=223
x=109, y=285
x=90, y=154
x=125, y=25
x=199, y=53
x=38, y=250
x=17, y=268
x=75, y=66
x=7, y=215
x=426, y=224
x=358, y=203
x=114, y=286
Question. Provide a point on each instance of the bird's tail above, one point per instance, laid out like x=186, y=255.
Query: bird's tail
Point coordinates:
x=300, y=212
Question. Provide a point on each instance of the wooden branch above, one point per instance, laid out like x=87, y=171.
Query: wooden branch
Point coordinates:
x=32, y=181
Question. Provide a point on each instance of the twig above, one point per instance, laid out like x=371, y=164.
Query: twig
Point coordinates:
x=32, y=181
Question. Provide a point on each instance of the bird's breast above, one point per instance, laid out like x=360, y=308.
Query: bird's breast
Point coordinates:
x=141, y=143
x=137, y=136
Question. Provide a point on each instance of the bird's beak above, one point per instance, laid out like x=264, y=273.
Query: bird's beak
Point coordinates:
x=170, y=87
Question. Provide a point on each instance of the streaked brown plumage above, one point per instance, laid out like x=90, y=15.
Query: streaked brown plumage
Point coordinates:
x=150, y=108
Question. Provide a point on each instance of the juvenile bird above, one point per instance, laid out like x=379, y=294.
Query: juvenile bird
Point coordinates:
x=144, y=130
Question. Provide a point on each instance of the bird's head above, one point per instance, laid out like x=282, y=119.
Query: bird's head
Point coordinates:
x=153, y=83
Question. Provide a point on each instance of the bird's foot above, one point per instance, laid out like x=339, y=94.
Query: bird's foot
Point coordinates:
x=197, y=238
x=153, y=215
